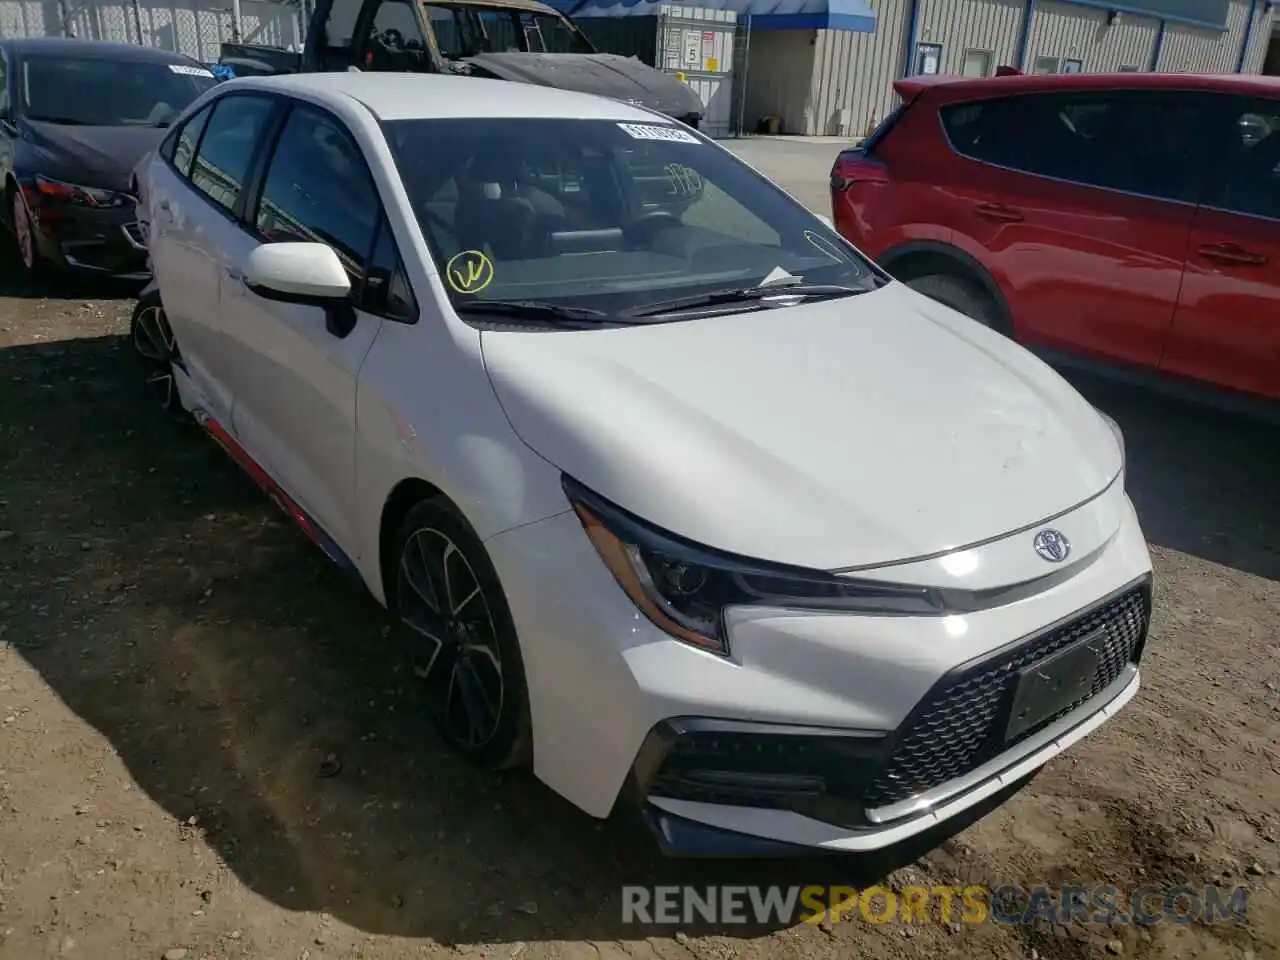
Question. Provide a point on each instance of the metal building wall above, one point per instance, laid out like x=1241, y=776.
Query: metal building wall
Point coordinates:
x=959, y=25
x=1069, y=31
x=193, y=27
x=853, y=73
x=1192, y=50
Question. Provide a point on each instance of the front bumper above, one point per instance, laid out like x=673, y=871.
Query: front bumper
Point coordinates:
x=820, y=730
x=107, y=243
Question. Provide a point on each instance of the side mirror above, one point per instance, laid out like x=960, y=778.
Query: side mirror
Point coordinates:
x=303, y=273
x=826, y=220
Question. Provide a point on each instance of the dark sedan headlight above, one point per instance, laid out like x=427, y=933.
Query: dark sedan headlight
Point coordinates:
x=80, y=196
x=685, y=589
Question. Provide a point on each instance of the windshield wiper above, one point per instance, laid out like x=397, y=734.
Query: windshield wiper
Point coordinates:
x=819, y=291
x=535, y=310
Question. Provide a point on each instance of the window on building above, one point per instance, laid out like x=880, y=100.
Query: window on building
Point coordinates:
x=928, y=59
x=1129, y=69
x=977, y=63
x=1046, y=65
x=1248, y=178
x=226, y=150
x=1072, y=66
x=1142, y=143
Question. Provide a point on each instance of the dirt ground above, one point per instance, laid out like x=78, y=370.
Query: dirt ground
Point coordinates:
x=207, y=744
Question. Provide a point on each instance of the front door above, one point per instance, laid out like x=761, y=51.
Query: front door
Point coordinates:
x=295, y=388
x=1227, y=328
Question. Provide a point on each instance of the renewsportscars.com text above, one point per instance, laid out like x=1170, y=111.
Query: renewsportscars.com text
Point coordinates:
x=973, y=904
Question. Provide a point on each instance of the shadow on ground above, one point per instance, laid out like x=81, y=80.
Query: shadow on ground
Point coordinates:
x=1204, y=482
x=166, y=603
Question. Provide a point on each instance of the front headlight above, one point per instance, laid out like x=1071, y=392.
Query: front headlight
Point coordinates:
x=1119, y=435
x=685, y=589
x=80, y=196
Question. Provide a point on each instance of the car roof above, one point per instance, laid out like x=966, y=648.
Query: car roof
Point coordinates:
x=419, y=96
x=72, y=46
x=1241, y=83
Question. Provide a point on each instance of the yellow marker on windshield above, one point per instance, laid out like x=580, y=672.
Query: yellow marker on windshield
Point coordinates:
x=469, y=271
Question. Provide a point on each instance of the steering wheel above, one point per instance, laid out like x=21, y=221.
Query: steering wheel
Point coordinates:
x=652, y=222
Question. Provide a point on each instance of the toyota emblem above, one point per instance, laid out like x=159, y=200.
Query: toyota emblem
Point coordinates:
x=1052, y=545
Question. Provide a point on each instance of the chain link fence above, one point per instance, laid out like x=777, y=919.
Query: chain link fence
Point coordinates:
x=194, y=27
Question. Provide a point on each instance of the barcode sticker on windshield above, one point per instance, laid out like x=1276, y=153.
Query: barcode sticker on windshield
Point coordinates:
x=644, y=131
x=186, y=71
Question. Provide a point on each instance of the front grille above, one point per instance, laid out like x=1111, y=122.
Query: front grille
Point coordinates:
x=960, y=724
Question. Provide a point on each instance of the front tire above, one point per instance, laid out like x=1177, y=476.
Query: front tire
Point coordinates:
x=961, y=295
x=24, y=236
x=453, y=617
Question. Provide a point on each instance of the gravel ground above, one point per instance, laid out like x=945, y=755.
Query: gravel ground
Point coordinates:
x=206, y=744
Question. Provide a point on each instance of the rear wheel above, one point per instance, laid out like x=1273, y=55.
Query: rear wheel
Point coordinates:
x=959, y=294
x=156, y=348
x=454, y=619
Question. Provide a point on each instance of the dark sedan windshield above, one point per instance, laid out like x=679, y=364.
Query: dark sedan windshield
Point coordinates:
x=603, y=215
x=96, y=91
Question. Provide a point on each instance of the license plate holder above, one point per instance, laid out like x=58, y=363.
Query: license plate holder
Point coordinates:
x=1049, y=686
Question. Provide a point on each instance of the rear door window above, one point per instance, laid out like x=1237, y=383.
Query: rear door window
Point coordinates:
x=1140, y=143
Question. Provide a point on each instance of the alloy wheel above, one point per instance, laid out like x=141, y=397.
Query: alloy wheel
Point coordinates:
x=22, y=231
x=443, y=604
x=154, y=343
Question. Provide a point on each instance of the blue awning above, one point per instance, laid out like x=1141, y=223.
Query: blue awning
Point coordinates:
x=855, y=15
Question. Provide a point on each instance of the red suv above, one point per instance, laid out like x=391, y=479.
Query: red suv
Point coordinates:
x=1130, y=218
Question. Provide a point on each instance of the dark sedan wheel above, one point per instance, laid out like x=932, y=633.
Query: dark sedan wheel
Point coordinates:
x=156, y=348
x=456, y=624
x=24, y=235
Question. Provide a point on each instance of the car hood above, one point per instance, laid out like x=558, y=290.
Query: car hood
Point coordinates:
x=605, y=74
x=93, y=156
x=846, y=433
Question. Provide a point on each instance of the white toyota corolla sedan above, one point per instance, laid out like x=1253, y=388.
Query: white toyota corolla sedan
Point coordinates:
x=675, y=496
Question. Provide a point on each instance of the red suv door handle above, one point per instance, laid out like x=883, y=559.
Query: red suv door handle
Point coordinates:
x=1231, y=253
x=997, y=211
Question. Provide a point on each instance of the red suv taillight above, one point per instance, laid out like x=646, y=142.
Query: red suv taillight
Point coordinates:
x=855, y=166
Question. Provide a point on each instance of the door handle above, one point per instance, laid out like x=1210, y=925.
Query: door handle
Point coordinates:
x=1232, y=254
x=998, y=212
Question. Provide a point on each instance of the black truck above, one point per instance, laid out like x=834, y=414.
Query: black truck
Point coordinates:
x=521, y=40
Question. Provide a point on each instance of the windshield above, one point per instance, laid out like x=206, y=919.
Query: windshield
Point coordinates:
x=465, y=31
x=603, y=215
x=108, y=92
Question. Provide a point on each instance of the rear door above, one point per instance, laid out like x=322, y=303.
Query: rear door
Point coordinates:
x=1080, y=204
x=1227, y=327
x=194, y=198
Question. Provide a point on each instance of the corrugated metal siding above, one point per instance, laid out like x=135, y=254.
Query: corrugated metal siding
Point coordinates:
x=960, y=25
x=780, y=71
x=1070, y=32
x=853, y=74
x=192, y=27
x=1190, y=50
x=625, y=36
x=1259, y=42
